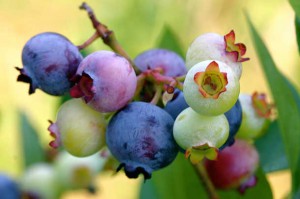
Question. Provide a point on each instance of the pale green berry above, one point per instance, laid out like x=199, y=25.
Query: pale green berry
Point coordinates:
x=198, y=133
x=253, y=125
x=40, y=180
x=77, y=172
x=211, y=88
x=78, y=128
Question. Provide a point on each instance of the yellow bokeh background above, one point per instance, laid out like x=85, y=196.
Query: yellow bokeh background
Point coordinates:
x=137, y=24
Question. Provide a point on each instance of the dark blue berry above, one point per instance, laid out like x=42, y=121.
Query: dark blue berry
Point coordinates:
x=50, y=60
x=176, y=104
x=234, y=117
x=8, y=188
x=140, y=137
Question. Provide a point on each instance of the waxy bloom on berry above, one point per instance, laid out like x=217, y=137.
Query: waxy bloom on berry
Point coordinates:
x=105, y=80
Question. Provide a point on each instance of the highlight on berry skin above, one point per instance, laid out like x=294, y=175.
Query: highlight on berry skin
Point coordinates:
x=211, y=82
x=236, y=49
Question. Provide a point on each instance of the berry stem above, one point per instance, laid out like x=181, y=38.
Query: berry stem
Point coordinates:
x=157, y=95
x=107, y=36
x=89, y=41
x=209, y=187
x=140, y=84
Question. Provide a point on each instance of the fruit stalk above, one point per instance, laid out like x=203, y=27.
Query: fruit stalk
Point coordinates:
x=107, y=36
x=89, y=41
x=203, y=176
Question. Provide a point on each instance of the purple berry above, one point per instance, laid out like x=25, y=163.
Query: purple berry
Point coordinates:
x=8, y=188
x=170, y=62
x=140, y=138
x=49, y=61
x=105, y=80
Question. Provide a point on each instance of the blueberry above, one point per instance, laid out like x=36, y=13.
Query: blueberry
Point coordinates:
x=140, y=137
x=170, y=62
x=234, y=117
x=8, y=188
x=105, y=80
x=211, y=88
x=49, y=61
x=176, y=104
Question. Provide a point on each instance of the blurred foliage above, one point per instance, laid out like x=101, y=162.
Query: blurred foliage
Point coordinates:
x=286, y=105
x=297, y=25
x=32, y=150
x=271, y=150
x=296, y=6
x=176, y=181
x=170, y=41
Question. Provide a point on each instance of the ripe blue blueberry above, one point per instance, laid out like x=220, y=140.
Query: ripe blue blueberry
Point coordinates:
x=234, y=117
x=176, y=104
x=49, y=61
x=8, y=188
x=140, y=137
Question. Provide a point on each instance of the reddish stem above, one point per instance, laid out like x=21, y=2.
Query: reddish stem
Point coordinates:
x=89, y=41
x=107, y=36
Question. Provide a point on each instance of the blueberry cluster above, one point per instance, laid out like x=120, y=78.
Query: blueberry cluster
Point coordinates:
x=147, y=110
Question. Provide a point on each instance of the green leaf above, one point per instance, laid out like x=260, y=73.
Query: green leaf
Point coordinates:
x=177, y=181
x=271, y=149
x=297, y=26
x=289, y=115
x=169, y=40
x=296, y=6
x=31, y=147
x=261, y=190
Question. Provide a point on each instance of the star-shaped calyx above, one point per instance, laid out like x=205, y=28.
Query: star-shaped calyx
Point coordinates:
x=237, y=50
x=211, y=82
x=260, y=105
x=55, y=134
x=197, y=153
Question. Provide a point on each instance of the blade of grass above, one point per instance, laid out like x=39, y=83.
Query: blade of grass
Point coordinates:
x=296, y=6
x=297, y=27
x=289, y=115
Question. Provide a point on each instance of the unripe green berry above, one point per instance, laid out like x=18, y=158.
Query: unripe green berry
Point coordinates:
x=199, y=134
x=74, y=172
x=78, y=128
x=253, y=125
x=40, y=180
x=211, y=88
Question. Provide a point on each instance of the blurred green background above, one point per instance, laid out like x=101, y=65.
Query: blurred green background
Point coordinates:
x=137, y=25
